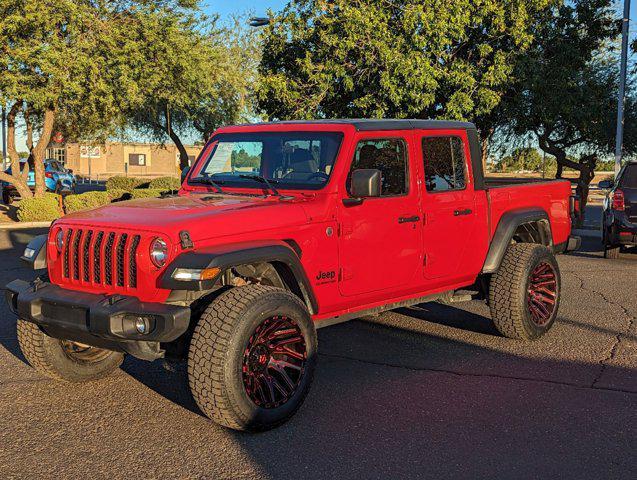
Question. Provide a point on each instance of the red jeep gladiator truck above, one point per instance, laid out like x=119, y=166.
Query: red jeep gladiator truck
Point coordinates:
x=279, y=229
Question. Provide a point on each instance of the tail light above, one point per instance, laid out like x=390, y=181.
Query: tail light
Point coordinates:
x=618, y=200
x=48, y=174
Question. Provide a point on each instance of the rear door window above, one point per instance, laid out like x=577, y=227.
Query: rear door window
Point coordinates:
x=444, y=163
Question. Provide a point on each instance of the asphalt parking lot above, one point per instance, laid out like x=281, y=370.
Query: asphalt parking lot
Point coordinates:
x=424, y=392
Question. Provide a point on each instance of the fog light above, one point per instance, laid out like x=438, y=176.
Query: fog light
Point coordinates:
x=142, y=325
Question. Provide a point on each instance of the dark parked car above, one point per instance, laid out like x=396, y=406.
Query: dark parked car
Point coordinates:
x=619, y=217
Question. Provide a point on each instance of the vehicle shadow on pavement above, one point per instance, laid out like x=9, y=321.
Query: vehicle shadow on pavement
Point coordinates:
x=168, y=380
x=451, y=316
x=390, y=404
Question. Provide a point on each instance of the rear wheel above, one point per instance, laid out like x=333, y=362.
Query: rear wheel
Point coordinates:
x=524, y=293
x=252, y=357
x=6, y=197
x=611, y=252
x=63, y=359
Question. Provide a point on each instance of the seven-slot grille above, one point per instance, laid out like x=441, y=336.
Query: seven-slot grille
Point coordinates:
x=100, y=257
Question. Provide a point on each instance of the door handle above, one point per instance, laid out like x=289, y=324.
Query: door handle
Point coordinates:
x=466, y=211
x=414, y=218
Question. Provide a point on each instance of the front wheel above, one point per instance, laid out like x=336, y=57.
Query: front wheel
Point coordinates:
x=252, y=357
x=524, y=293
x=63, y=359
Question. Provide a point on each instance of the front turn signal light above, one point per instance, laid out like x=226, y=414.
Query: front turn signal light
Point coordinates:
x=196, y=274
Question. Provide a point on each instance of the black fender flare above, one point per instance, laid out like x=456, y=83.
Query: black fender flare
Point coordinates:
x=508, y=224
x=226, y=256
x=34, y=255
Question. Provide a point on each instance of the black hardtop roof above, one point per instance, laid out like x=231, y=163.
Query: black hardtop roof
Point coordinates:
x=363, y=124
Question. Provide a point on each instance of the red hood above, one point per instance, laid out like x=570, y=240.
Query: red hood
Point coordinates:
x=203, y=215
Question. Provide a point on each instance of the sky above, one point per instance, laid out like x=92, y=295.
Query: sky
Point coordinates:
x=257, y=8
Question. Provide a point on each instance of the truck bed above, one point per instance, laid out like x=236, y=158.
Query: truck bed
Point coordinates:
x=551, y=196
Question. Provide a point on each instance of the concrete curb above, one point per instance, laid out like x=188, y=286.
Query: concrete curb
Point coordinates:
x=22, y=225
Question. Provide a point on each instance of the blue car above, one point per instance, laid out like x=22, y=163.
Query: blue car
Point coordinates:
x=57, y=179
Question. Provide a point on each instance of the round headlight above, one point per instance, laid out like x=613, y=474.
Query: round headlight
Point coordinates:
x=59, y=240
x=158, y=252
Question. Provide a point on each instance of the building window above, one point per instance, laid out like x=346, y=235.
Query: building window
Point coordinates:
x=57, y=154
x=444, y=163
x=137, y=159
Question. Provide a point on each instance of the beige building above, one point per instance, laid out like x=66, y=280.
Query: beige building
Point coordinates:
x=115, y=158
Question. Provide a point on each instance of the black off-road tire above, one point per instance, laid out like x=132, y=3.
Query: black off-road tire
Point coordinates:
x=509, y=291
x=219, y=343
x=48, y=356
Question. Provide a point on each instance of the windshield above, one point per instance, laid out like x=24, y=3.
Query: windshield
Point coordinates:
x=294, y=160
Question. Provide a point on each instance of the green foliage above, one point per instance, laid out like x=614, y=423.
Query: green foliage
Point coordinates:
x=124, y=183
x=86, y=201
x=521, y=159
x=116, y=194
x=146, y=193
x=244, y=159
x=405, y=58
x=165, y=183
x=567, y=83
x=186, y=74
x=42, y=209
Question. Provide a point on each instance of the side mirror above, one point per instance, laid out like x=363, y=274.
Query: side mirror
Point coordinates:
x=365, y=183
x=184, y=173
x=605, y=184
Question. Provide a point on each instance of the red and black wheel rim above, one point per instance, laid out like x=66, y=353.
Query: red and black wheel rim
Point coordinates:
x=542, y=293
x=274, y=362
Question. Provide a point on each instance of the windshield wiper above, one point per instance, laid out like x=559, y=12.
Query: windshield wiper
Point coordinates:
x=263, y=180
x=205, y=179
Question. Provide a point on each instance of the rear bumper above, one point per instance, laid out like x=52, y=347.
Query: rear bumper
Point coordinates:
x=98, y=320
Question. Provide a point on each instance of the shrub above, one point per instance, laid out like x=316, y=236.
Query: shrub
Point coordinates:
x=147, y=193
x=124, y=183
x=117, y=194
x=86, y=201
x=42, y=209
x=165, y=183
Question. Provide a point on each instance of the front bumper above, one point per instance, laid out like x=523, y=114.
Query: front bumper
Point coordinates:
x=98, y=320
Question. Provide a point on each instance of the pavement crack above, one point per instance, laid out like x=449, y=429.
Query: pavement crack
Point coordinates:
x=617, y=338
x=476, y=375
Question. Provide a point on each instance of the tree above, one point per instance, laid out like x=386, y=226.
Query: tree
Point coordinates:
x=186, y=75
x=521, y=159
x=398, y=59
x=59, y=69
x=566, y=86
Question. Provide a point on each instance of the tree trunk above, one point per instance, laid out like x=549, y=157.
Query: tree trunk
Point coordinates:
x=15, y=178
x=183, y=154
x=39, y=151
x=587, y=166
